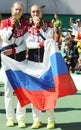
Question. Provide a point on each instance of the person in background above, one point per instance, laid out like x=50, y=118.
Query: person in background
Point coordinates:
x=56, y=22
x=70, y=38
x=38, y=32
x=74, y=26
x=68, y=56
x=12, y=33
x=78, y=40
x=69, y=35
x=57, y=37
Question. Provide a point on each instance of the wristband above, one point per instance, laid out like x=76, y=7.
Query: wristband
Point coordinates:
x=41, y=44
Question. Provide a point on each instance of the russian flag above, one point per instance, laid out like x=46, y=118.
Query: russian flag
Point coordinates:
x=40, y=83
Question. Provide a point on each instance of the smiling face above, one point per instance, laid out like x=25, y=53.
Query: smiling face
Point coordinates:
x=17, y=9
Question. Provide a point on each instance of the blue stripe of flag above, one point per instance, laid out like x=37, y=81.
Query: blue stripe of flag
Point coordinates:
x=58, y=64
x=20, y=79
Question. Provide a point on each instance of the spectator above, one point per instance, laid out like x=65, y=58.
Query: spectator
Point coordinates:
x=69, y=38
x=68, y=56
x=75, y=26
x=56, y=22
x=57, y=37
x=78, y=40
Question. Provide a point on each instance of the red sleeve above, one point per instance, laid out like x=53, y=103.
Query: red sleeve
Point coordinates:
x=5, y=23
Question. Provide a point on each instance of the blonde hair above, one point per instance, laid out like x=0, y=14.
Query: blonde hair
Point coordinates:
x=18, y=3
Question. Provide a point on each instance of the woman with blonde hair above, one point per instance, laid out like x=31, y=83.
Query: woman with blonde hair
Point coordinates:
x=12, y=33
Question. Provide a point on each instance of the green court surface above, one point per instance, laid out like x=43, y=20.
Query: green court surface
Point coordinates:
x=67, y=113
